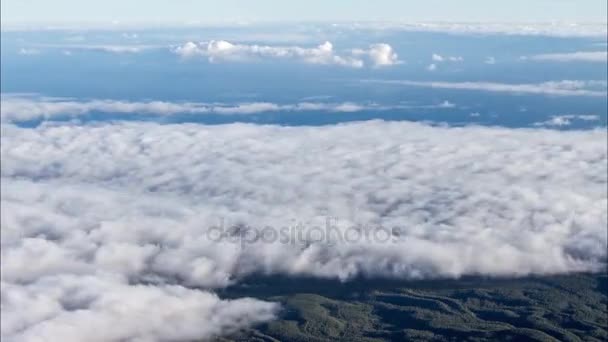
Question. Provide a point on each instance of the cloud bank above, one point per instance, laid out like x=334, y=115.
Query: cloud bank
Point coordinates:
x=23, y=107
x=557, y=29
x=554, y=88
x=220, y=50
x=117, y=216
x=580, y=56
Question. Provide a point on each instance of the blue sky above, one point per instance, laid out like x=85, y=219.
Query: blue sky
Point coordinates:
x=70, y=11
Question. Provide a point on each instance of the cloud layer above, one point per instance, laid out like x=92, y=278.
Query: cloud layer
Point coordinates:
x=557, y=29
x=555, y=88
x=117, y=216
x=22, y=107
x=580, y=56
x=220, y=50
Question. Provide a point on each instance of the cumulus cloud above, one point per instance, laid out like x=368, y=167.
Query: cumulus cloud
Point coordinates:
x=380, y=55
x=21, y=107
x=221, y=50
x=579, y=56
x=118, y=216
x=555, y=88
x=432, y=67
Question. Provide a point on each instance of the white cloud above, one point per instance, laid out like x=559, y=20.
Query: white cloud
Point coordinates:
x=556, y=88
x=566, y=120
x=557, y=29
x=432, y=67
x=438, y=58
x=447, y=104
x=118, y=216
x=15, y=108
x=109, y=48
x=383, y=55
x=451, y=201
x=28, y=51
x=99, y=307
x=216, y=51
x=580, y=56
x=490, y=60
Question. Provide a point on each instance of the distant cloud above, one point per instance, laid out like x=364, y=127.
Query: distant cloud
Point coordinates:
x=432, y=67
x=28, y=51
x=580, y=56
x=17, y=108
x=380, y=55
x=447, y=104
x=490, y=60
x=438, y=58
x=558, y=29
x=108, y=48
x=555, y=88
x=566, y=120
x=221, y=50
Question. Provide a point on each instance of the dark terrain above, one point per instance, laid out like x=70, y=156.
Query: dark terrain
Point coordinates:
x=550, y=308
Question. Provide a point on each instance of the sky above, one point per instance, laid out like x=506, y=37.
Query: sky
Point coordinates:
x=210, y=11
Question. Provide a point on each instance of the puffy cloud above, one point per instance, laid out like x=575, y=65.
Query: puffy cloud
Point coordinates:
x=445, y=197
x=220, y=50
x=120, y=217
x=556, y=88
x=579, y=56
x=23, y=107
x=432, y=67
x=382, y=55
x=100, y=308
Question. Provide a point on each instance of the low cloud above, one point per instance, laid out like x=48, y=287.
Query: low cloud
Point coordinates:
x=554, y=88
x=580, y=56
x=100, y=223
x=98, y=307
x=124, y=187
x=377, y=55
